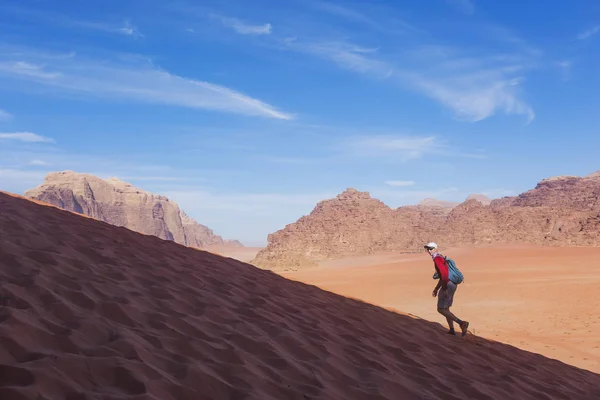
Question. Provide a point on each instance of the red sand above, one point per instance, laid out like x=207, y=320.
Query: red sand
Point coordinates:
x=92, y=311
x=539, y=299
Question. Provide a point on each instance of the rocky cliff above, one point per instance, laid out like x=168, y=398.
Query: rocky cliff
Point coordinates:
x=119, y=203
x=558, y=211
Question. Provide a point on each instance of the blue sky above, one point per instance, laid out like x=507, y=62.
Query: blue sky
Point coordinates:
x=248, y=113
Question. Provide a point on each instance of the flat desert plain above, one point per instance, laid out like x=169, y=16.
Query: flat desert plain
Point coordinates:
x=541, y=299
x=243, y=254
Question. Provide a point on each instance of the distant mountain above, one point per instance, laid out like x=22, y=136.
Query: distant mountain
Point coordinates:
x=480, y=198
x=120, y=203
x=558, y=211
x=429, y=202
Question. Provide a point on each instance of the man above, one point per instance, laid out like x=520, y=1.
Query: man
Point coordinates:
x=446, y=295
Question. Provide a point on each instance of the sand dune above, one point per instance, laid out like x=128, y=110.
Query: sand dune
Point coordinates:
x=542, y=299
x=93, y=311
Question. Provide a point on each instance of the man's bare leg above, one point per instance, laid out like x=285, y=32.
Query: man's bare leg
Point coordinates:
x=450, y=325
x=451, y=318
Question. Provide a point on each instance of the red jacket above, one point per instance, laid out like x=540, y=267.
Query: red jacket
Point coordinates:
x=442, y=269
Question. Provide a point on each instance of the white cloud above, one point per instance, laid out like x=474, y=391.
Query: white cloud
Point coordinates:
x=57, y=19
x=129, y=30
x=344, y=12
x=400, y=183
x=242, y=27
x=465, y=6
x=5, y=115
x=27, y=69
x=125, y=29
x=565, y=67
x=402, y=147
x=141, y=83
x=475, y=97
x=473, y=86
x=345, y=55
x=39, y=163
x=589, y=33
x=565, y=64
x=25, y=137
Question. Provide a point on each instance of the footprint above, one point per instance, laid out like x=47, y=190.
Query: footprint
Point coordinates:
x=126, y=381
x=15, y=376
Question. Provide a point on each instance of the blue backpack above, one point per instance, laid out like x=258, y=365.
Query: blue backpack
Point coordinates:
x=454, y=273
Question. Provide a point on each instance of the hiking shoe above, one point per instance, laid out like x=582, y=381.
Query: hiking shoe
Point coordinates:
x=464, y=326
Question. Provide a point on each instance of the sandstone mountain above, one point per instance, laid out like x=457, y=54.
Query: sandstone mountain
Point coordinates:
x=121, y=204
x=480, y=198
x=444, y=207
x=558, y=211
x=429, y=202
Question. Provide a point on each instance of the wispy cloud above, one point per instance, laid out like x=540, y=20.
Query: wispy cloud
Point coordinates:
x=589, y=33
x=565, y=66
x=465, y=6
x=476, y=96
x=39, y=163
x=5, y=115
x=25, y=137
x=135, y=82
x=401, y=147
x=473, y=86
x=27, y=69
x=400, y=183
x=344, y=12
x=406, y=147
x=242, y=27
x=124, y=28
x=383, y=22
x=345, y=55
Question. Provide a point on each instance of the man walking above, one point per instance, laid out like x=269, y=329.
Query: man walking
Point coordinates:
x=448, y=288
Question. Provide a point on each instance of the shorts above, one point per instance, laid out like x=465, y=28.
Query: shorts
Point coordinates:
x=445, y=297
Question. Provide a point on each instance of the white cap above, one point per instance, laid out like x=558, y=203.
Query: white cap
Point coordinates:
x=431, y=245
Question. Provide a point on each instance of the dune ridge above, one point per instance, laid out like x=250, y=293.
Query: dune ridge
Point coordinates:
x=94, y=311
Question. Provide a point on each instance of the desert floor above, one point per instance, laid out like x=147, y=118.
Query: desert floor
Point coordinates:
x=243, y=254
x=545, y=300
